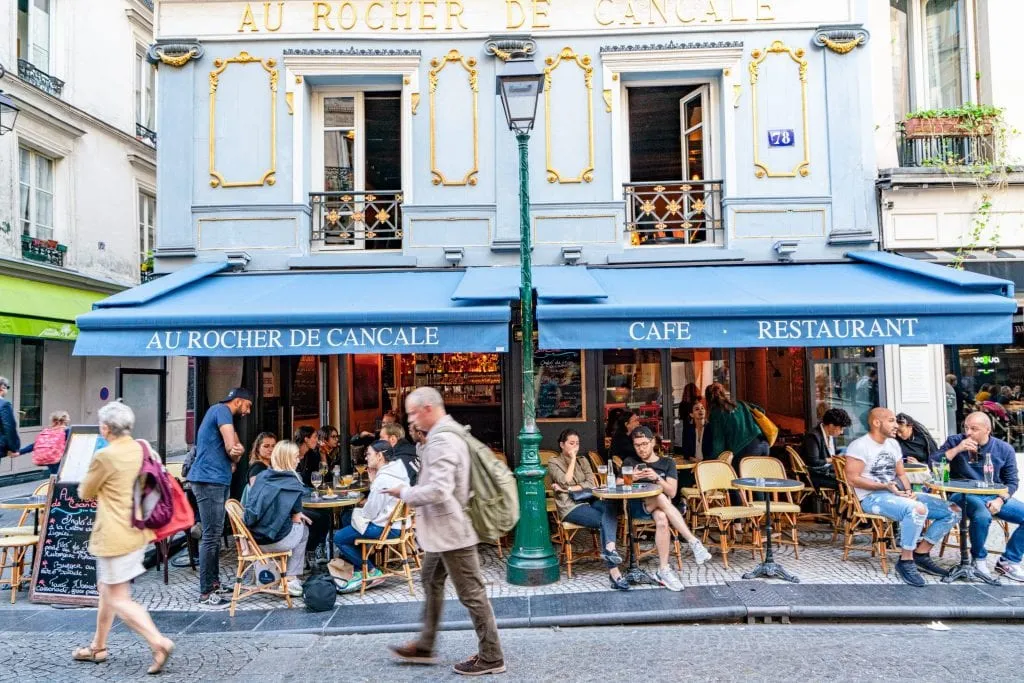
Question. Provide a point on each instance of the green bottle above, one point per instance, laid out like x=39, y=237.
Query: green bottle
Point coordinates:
x=945, y=469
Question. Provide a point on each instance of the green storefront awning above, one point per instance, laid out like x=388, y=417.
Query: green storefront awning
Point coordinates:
x=41, y=309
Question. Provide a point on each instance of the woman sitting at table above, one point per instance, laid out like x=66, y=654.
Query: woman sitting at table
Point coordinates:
x=697, y=443
x=259, y=456
x=273, y=511
x=386, y=471
x=622, y=444
x=570, y=473
x=915, y=440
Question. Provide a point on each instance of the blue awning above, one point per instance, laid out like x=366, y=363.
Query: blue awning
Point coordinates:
x=879, y=298
x=561, y=283
x=254, y=314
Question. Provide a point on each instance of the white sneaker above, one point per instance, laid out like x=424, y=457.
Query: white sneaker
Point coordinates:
x=1010, y=571
x=295, y=588
x=981, y=567
x=667, y=578
x=700, y=553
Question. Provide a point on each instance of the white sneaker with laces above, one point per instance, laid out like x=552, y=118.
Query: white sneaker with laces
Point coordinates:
x=667, y=578
x=1009, y=570
x=700, y=553
x=295, y=588
x=981, y=567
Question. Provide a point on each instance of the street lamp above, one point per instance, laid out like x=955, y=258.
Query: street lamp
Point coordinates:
x=532, y=561
x=8, y=111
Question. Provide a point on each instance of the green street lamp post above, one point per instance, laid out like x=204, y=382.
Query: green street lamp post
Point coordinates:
x=532, y=561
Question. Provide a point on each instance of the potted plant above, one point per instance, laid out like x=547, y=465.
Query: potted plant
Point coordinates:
x=966, y=120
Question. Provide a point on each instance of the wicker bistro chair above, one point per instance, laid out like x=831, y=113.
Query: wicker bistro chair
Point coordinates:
x=546, y=456
x=400, y=549
x=24, y=527
x=249, y=555
x=714, y=476
x=694, y=502
x=15, y=549
x=595, y=459
x=566, y=533
x=828, y=495
x=860, y=523
x=784, y=510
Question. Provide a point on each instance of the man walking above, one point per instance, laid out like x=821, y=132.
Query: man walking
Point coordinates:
x=448, y=539
x=966, y=455
x=217, y=451
x=10, y=442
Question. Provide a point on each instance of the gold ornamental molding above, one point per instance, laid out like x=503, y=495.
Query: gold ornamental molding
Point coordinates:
x=174, y=54
x=777, y=47
x=438, y=65
x=840, y=38
x=221, y=64
x=584, y=63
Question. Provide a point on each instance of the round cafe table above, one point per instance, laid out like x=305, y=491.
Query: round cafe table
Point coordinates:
x=634, y=574
x=332, y=505
x=684, y=464
x=769, y=485
x=917, y=473
x=965, y=570
x=35, y=503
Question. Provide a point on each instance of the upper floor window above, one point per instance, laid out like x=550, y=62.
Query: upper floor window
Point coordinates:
x=929, y=54
x=147, y=225
x=34, y=32
x=145, y=91
x=36, y=193
x=672, y=196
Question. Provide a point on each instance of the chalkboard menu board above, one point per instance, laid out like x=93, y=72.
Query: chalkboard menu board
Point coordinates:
x=64, y=571
x=560, y=385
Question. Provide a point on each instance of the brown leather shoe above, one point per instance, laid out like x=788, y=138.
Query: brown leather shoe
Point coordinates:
x=413, y=654
x=474, y=666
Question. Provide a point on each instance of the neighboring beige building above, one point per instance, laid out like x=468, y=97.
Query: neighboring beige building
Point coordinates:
x=954, y=198
x=77, y=205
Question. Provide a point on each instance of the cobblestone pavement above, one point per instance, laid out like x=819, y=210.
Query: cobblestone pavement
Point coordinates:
x=820, y=563
x=852, y=652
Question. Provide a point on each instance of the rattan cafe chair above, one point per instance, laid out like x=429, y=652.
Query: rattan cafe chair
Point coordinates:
x=715, y=476
x=784, y=509
x=249, y=555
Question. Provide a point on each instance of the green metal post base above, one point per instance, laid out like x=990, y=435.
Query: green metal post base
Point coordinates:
x=532, y=561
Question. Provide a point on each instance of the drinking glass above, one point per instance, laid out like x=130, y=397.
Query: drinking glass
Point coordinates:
x=602, y=470
x=315, y=478
x=627, y=475
x=347, y=480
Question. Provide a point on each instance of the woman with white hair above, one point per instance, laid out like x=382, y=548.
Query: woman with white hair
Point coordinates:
x=118, y=546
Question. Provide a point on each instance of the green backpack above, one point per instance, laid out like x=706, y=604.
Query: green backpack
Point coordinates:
x=493, y=506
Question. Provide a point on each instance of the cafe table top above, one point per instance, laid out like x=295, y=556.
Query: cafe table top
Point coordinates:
x=969, y=486
x=322, y=503
x=627, y=492
x=767, y=484
x=23, y=503
x=684, y=464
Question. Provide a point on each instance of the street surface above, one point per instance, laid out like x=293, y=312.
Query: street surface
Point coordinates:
x=805, y=652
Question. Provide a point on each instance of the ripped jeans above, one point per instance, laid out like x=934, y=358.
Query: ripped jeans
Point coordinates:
x=904, y=511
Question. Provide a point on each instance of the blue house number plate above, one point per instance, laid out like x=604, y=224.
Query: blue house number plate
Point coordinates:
x=782, y=137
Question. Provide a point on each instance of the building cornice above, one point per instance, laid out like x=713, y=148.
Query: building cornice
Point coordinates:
x=58, y=276
x=673, y=45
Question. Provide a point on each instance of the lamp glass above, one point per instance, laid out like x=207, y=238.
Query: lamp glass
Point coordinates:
x=519, y=96
x=8, y=114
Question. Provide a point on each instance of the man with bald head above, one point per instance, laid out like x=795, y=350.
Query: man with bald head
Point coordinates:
x=874, y=467
x=966, y=455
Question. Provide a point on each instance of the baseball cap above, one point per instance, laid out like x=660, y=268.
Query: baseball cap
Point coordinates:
x=238, y=392
x=641, y=433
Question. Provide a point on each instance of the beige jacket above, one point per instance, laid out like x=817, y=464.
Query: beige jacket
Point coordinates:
x=581, y=476
x=442, y=492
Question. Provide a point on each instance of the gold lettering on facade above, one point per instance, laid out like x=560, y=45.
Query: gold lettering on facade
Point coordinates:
x=540, y=11
x=711, y=11
x=600, y=18
x=659, y=6
x=629, y=13
x=452, y=14
x=266, y=16
x=733, y=14
x=371, y=23
x=322, y=11
x=510, y=22
x=765, y=11
x=396, y=14
x=679, y=14
x=427, y=19
x=248, y=21
x=347, y=16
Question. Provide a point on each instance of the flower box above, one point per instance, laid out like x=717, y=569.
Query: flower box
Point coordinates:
x=951, y=126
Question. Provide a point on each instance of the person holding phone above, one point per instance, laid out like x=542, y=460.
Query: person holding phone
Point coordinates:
x=572, y=478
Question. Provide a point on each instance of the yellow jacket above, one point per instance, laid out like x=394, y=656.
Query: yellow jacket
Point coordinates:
x=111, y=481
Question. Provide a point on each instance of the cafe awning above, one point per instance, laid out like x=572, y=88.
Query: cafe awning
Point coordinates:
x=41, y=309
x=202, y=311
x=875, y=298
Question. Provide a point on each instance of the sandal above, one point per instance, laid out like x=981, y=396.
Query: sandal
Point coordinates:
x=160, y=657
x=90, y=654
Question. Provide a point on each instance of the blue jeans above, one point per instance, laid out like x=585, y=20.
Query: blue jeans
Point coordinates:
x=980, y=519
x=52, y=469
x=345, y=542
x=904, y=511
x=211, y=499
x=597, y=514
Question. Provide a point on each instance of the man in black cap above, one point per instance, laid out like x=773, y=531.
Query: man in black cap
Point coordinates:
x=217, y=450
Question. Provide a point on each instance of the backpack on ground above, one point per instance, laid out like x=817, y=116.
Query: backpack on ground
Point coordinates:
x=319, y=593
x=493, y=506
x=153, y=500
x=49, y=446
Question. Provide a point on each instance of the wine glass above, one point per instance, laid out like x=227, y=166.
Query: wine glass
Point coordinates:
x=316, y=478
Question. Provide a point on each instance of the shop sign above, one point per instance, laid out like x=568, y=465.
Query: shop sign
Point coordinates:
x=337, y=339
x=315, y=18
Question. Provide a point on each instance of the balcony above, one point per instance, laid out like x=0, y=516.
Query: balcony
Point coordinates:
x=43, y=251
x=944, y=151
x=676, y=212
x=143, y=133
x=39, y=78
x=357, y=220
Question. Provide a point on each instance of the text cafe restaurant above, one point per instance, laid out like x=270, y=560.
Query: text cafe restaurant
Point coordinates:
x=379, y=252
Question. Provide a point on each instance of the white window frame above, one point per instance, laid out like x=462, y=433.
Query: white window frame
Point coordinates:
x=918, y=67
x=33, y=20
x=145, y=199
x=33, y=225
x=145, y=103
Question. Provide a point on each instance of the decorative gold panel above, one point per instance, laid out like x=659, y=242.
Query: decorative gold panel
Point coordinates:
x=437, y=65
x=583, y=62
x=757, y=57
x=269, y=65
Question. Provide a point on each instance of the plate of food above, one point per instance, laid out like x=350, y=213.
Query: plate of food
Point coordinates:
x=329, y=496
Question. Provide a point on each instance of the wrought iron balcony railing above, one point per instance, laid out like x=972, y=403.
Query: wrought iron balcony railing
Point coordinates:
x=676, y=212
x=143, y=133
x=357, y=220
x=29, y=73
x=945, y=151
x=43, y=251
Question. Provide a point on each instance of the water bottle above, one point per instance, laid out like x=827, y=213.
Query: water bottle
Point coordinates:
x=990, y=471
x=336, y=478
